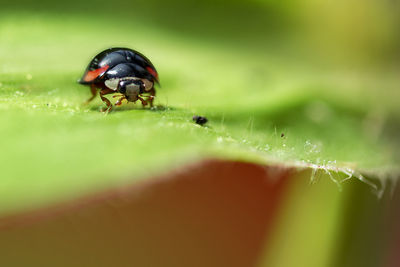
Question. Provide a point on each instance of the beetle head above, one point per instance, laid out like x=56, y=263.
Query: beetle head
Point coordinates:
x=131, y=89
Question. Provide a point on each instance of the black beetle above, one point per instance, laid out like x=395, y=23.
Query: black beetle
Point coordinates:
x=200, y=120
x=121, y=70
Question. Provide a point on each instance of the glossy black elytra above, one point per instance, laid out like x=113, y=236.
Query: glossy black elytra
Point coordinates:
x=124, y=71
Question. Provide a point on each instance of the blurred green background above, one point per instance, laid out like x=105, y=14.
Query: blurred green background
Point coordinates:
x=301, y=83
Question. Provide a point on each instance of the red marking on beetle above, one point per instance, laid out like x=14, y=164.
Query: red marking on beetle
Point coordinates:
x=93, y=74
x=152, y=72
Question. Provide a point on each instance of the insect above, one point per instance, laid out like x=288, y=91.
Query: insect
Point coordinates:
x=200, y=120
x=124, y=71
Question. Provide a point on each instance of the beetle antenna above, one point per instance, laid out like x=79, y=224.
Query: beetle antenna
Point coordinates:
x=114, y=96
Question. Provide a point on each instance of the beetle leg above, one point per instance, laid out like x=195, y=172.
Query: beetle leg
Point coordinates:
x=119, y=101
x=105, y=100
x=93, y=90
x=144, y=103
x=152, y=96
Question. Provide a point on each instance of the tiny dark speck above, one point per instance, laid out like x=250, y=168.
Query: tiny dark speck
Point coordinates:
x=282, y=135
x=200, y=120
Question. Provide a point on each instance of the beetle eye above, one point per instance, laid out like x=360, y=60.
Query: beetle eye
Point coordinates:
x=142, y=88
x=122, y=87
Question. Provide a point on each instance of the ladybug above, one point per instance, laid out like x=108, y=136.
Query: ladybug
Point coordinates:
x=124, y=71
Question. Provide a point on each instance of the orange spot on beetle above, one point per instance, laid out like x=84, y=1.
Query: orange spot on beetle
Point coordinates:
x=93, y=74
x=152, y=72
